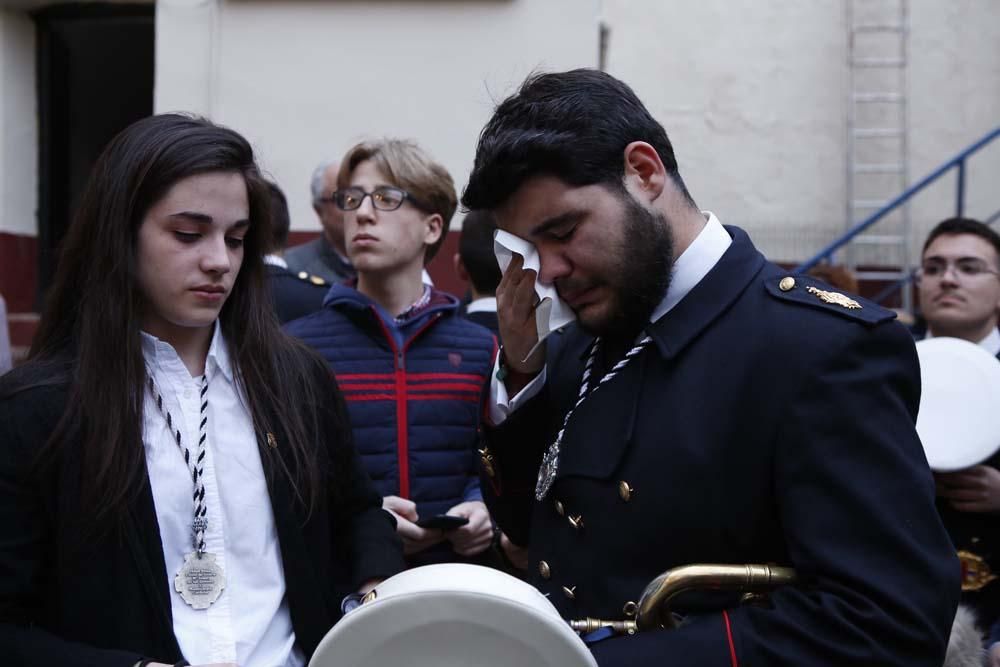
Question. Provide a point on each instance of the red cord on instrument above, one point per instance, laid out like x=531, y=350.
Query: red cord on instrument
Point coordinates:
x=729, y=636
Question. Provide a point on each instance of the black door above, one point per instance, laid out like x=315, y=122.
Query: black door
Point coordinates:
x=95, y=77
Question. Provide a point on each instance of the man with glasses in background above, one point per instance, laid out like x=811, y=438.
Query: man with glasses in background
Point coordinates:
x=959, y=283
x=324, y=257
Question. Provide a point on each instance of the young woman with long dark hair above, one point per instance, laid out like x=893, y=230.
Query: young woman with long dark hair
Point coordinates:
x=177, y=477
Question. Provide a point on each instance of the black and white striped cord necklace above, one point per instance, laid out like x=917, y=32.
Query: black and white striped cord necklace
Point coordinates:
x=550, y=461
x=200, y=580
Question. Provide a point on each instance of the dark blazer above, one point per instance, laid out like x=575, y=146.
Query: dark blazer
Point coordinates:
x=317, y=257
x=105, y=600
x=295, y=296
x=762, y=425
x=485, y=318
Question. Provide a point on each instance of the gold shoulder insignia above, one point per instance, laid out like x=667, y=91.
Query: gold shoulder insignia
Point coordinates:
x=835, y=298
x=308, y=277
x=976, y=572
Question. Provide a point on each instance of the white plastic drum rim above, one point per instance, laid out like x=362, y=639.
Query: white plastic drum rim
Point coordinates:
x=959, y=418
x=453, y=615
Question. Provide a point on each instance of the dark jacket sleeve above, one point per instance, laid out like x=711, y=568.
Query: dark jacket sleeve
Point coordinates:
x=359, y=521
x=515, y=448
x=26, y=419
x=856, y=501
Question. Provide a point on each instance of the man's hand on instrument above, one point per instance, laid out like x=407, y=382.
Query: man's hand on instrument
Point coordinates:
x=994, y=655
x=516, y=303
x=475, y=536
x=414, y=537
x=975, y=489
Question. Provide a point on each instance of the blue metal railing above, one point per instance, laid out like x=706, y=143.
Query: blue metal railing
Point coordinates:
x=957, y=162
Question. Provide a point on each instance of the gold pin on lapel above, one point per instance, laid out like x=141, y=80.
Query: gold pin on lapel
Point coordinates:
x=487, y=459
x=271, y=442
x=835, y=298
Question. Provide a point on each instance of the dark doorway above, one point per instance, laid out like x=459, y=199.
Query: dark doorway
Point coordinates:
x=95, y=77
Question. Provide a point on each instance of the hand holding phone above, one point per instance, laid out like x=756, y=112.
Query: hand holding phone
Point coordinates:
x=443, y=522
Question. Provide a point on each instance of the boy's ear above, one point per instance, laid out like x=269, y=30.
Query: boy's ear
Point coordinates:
x=435, y=225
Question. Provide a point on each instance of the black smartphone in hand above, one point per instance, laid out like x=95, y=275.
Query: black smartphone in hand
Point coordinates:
x=443, y=522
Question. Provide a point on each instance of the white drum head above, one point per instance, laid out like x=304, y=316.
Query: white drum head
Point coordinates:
x=453, y=615
x=959, y=419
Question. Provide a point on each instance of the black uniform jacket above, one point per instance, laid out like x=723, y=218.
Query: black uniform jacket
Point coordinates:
x=763, y=425
x=295, y=296
x=485, y=318
x=108, y=603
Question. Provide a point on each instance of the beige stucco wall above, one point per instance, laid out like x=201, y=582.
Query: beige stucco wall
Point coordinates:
x=753, y=94
x=955, y=92
x=305, y=80
x=754, y=97
x=18, y=124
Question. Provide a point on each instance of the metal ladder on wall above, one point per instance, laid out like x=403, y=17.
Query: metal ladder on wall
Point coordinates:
x=877, y=137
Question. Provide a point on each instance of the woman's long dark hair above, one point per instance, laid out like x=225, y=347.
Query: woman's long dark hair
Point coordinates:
x=94, y=309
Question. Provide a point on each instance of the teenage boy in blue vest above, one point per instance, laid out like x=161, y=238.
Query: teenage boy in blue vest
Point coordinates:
x=412, y=370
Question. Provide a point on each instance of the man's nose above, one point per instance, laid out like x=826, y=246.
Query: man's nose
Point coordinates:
x=950, y=275
x=553, y=266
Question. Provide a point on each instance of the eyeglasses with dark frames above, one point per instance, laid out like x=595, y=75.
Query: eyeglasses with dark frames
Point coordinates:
x=384, y=198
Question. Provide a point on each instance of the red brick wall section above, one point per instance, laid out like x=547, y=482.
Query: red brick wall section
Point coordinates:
x=18, y=276
x=18, y=271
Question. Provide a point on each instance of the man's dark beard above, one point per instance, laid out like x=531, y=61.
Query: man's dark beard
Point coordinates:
x=645, y=264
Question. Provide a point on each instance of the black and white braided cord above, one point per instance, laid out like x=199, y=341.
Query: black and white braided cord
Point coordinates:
x=195, y=464
x=550, y=461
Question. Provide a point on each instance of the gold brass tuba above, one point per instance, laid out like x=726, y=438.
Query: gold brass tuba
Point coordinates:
x=654, y=605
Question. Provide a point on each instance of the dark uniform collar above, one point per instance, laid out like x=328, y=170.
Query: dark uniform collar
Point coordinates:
x=333, y=259
x=709, y=298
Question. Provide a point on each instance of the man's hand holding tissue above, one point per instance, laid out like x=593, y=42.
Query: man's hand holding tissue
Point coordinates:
x=516, y=302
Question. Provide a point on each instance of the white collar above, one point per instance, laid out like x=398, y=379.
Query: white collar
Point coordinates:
x=694, y=263
x=991, y=343
x=217, y=358
x=276, y=260
x=487, y=304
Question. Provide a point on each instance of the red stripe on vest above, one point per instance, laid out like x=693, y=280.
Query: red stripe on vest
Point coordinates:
x=342, y=377
x=351, y=398
x=471, y=377
x=447, y=386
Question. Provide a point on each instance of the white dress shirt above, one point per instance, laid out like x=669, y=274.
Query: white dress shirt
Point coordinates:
x=249, y=624
x=487, y=304
x=275, y=260
x=991, y=343
x=693, y=264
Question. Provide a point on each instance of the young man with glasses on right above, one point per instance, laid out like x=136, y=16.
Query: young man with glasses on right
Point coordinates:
x=959, y=281
x=412, y=370
x=959, y=296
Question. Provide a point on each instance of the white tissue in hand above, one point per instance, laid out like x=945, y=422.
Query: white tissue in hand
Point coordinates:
x=551, y=313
